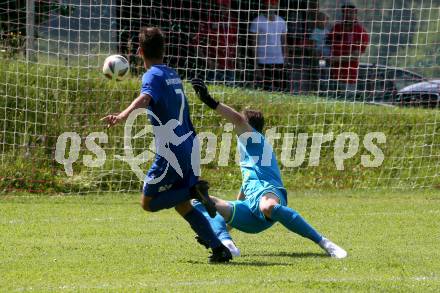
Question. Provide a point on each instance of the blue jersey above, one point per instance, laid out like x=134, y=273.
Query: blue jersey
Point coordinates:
x=258, y=164
x=169, y=114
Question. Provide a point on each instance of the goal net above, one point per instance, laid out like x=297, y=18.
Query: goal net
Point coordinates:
x=348, y=90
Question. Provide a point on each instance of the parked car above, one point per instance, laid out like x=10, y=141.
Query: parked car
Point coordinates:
x=382, y=83
x=423, y=94
x=376, y=82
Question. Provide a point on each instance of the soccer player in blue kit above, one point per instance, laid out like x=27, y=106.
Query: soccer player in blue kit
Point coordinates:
x=171, y=181
x=262, y=200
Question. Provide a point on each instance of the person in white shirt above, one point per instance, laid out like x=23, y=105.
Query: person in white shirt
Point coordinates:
x=268, y=40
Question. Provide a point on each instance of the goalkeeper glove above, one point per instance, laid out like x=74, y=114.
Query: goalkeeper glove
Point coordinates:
x=203, y=94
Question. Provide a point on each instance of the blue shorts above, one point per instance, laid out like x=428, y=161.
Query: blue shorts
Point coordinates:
x=160, y=179
x=247, y=216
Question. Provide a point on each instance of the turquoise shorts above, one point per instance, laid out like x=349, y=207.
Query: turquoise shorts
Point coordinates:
x=247, y=216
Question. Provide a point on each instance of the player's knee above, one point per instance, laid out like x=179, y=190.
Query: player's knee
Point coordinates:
x=267, y=209
x=184, y=208
x=145, y=203
x=267, y=204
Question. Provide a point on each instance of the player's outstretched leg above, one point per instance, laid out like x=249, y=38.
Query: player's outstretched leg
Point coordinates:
x=290, y=219
x=218, y=225
x=201, y=226
x=200, y=192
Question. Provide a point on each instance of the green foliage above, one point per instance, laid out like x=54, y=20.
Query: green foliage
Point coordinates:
x=41, y=101
x=13, y=21
x=107, y=243
x=423, y=53
x=11, y=44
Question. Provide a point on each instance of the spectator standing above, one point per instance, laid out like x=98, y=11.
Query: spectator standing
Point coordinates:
x=269, y=33
x=321, y=52
x=319, y=36
x=217, y=43
x=348, y=40
x=305, y=61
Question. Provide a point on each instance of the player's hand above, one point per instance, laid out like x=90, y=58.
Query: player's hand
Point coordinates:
x=111, y=120
x=203, y=94
x=200, y=87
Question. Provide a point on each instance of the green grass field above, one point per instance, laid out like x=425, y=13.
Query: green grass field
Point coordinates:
x=107, y=243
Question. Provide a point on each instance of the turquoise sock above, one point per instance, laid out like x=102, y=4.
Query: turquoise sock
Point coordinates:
x=218, y=223
x=294, y=222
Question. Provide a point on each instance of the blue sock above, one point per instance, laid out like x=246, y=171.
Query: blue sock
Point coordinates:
x=218, y=223
x=201, y=226
x=294, y=222
x=169, y=199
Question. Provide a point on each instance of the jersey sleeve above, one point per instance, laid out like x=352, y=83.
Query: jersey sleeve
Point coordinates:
x=151, y=85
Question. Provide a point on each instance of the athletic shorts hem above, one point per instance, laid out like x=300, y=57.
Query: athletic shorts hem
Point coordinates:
x=233, y=214
x=283, y=201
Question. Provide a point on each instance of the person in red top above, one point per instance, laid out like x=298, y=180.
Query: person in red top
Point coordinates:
x=348, y=40
x=217, y=43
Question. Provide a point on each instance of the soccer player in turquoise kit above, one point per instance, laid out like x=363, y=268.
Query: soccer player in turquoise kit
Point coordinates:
x=171, y=181
x=262, y=200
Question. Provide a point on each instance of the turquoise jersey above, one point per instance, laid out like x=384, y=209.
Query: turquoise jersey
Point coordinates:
x=259, y=167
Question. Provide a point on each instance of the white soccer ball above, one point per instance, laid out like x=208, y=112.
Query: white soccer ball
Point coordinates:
x=115, y=67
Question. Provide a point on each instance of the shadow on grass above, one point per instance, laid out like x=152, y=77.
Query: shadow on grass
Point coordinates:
x=261, y=263
x=289, y=254
x=236, y=262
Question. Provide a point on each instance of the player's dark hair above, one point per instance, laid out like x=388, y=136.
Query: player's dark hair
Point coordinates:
x=255, y=119
x=152, y=42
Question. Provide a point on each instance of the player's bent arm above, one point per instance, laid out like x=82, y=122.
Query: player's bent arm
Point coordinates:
x=239, y=121
x=142, y=101
x=236, y=118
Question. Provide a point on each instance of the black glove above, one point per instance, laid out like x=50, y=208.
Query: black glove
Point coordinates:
x=203, y=94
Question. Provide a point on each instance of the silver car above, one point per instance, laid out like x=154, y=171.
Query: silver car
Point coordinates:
x=423, y=94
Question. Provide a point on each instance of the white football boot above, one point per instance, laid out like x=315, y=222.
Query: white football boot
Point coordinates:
x=235, y=251
x=332, y=249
